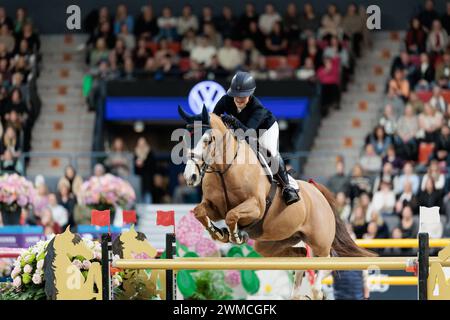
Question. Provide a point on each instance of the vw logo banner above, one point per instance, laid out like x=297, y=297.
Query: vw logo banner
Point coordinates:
x=207, y=93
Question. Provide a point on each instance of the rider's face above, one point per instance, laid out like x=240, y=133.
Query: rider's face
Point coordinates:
x=241, y=102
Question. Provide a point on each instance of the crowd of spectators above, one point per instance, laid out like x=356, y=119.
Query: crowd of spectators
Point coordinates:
x=19, y=56
x=406, y=157
x=290, y=44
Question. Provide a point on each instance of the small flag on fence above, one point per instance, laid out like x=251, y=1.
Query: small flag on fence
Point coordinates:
x=100, y=218
x=129, y=216
x=165, y=218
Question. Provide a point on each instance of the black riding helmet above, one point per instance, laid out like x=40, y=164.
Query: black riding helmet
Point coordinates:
x=242, y=85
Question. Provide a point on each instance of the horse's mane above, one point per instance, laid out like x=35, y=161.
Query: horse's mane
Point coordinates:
x=49, y=271
x=217, y=123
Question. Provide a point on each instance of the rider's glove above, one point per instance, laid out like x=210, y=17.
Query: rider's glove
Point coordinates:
x=232, y=122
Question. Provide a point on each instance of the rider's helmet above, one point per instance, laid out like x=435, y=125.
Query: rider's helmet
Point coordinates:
x=242, y=85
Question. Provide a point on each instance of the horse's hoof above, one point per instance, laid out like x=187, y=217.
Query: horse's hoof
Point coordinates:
x=241, y=237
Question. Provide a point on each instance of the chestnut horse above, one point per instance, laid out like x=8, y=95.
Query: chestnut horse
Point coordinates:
x=312, y=220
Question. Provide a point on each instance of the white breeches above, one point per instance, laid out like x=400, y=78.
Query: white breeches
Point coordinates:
x=269, y=139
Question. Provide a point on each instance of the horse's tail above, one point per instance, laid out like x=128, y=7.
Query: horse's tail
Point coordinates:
x=343, y=244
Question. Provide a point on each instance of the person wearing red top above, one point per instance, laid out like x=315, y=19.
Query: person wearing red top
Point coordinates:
x=329, y=77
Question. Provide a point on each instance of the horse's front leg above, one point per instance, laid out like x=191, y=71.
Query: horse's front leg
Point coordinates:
x=201, y=212
x=250, y=210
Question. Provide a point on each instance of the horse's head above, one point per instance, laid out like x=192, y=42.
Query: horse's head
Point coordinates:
x=203, y=133
x=135, y=243
x=72, y=245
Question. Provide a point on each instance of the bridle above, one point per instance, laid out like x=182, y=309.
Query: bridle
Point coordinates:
x=205, y=167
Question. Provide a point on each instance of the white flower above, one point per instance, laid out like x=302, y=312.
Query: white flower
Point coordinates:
x=16, y=271
x=97, y=255
x=77, y=263
x=36, y=278
x=17, y=282
x=27, y=268
x=115, y=283
x=86, y=264
x=40, y=264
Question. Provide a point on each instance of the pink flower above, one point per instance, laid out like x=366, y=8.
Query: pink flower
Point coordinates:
x=206, y=247
x=17, y=282
x=232, y=278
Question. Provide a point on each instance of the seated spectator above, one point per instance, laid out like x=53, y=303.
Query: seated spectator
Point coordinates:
x=40, y=203
x=28, y=34
x=437, y=101
x=329, y=78
x=313, y=52
x=358, y=222
x=126, y=36
x=72, y=179
x=164, y=51
x=183, y=193
x=9, y=164
x=430, y=196
x=430, y=121
x=370, y=160
x=435, y=173
x=383, y=201
x=215, y=70
x=276, y=41
x=407, y=198
x=408, y=225
x=437, y=39
x=291, y=21
x=442, y=75
x=249, y=17
x=141, y=54
x=260, y=72
x=67, y=200
x=423, y=74
x=408, y=127
x=51, y=227
x=309, y=22
x=428, y=15
x=250, y=54
x=442, y=146
x=372, y=230
x=342, y=206
x=227, y=24
x=229, y=57
x=364, y=201
x=387, y=176
x=187, y=21
x=4, y=19
x=389, y=120
x=268, y=19
x=99, y=53
x=7, y=38
x=146, y=25
x=22, y=18
x=416, y=37
x=335, y=50
x=382, y=228
x=59, y=213
x=188, y=43
x=215, y=38
x=117, y=160
x=307, y=70
x=144, y=164
x=358, y=183
x=203, y=51
x=99, y=170
x=166, y=68
x=95, y=19
x=167, y=25
x=408, y=175
x=331, y=22
x=196, y=71
x=400, y=85
x=128, y=72
x=256, y=35
x=416, y=103
x=283, y=70
x=391, y=158
x=122, y=17
x=403, y=62
x=160, y=193
x=10, y=141
x=119, y=53
x=353, y=27
x=207, y=17
x=339, y=181
x=397, y=103
x=379, y=140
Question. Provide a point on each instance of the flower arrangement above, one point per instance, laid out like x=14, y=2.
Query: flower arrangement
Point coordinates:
x=106, y=191
x=16, y=192
x=28, y=274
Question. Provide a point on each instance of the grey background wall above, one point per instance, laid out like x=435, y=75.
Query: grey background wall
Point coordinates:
x=51, y=14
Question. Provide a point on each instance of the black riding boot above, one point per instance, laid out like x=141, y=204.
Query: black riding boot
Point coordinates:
x=290, y=195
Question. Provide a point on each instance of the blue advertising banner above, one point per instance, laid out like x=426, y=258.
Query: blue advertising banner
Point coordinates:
x=165, y=108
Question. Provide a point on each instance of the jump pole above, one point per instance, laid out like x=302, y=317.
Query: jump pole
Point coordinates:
x=106, y=244
x=423, y=266
x=171, y=287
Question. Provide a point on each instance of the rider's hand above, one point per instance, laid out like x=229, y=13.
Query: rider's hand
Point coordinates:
x=228, y=120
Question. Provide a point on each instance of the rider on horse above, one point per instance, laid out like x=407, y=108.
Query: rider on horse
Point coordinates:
x=245, y=111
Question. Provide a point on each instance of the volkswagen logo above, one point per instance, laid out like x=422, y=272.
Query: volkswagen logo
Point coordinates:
x=207, y=93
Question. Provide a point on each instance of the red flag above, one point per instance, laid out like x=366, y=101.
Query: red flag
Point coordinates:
x=165, y=218
x=100, y=218
x=129, y=216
